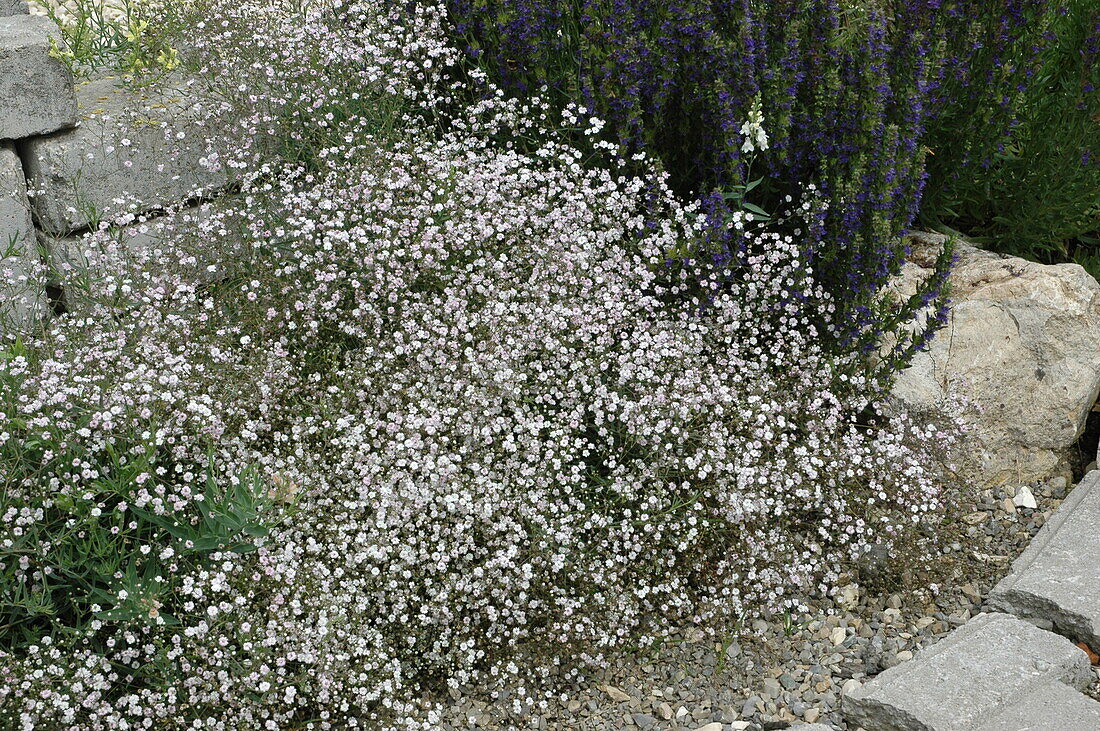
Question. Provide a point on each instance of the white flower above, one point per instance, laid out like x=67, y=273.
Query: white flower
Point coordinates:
x=753, y=129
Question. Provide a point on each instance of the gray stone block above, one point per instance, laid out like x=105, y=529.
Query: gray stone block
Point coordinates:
x=22, y=291
x=967, y=677
x=13, y=7
x=133, y=151
x=36, y=89
x=1058, y=577
x=1047, y=705
x=198, y=242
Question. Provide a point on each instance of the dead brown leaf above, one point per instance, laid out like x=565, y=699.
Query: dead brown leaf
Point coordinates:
x=1093, y=657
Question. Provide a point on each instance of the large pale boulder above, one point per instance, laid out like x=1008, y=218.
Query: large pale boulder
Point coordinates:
x=1022, y=343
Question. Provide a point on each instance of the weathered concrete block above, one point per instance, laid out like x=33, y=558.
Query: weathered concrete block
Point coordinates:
x=1058, y=577
x=22, y=294
x=1046, y=705
x=36, y=89
x=133, y=151
x=13, y=7
x=964, y=679
x=198, y=242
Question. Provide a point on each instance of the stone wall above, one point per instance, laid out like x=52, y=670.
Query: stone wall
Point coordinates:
x=72, y=155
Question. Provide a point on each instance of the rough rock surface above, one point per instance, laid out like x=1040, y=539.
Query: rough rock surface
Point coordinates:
x=36, y=89
x=1047, y=705
x=1022, y=343
x=133, y=151
x=22, y=298
x=1058, y=577
x=967, y=678
x=196, y=241
x=13, y=7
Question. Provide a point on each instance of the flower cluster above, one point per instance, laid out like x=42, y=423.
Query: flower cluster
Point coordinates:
x=454, y=406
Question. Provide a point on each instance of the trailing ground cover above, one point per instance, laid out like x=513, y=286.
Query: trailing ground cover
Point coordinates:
x=445, y=393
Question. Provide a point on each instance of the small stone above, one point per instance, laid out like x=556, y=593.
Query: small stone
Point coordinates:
x=750, y=706
x=785, y=715
x=616, y=695
x=1008, y=506
x=710, y=727
x=664, y=710
x=811, y=715
x=838, y=635
x=960, y=618
x=1025, y=498
x=772, y=688
x=988, y=558
x=849, y=597
x=850, y=686
x=976, y=518
x=894, y=601
x=643, y=720
x=970, y=592
x=904, y=655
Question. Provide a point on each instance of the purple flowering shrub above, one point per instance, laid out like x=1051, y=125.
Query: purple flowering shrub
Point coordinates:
x=468, y=409
x=853, y=96
x=842, y=91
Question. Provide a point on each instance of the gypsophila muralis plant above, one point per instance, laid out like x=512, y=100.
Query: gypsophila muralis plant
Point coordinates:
x=483, y=412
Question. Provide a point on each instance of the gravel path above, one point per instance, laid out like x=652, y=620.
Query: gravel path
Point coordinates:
x=783, y=671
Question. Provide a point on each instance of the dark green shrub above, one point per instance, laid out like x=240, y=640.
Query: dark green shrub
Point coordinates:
x=1036, y=192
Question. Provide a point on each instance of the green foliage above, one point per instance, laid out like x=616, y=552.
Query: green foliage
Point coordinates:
x=74, y=550
x=95, y=39
x=1036, y=194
